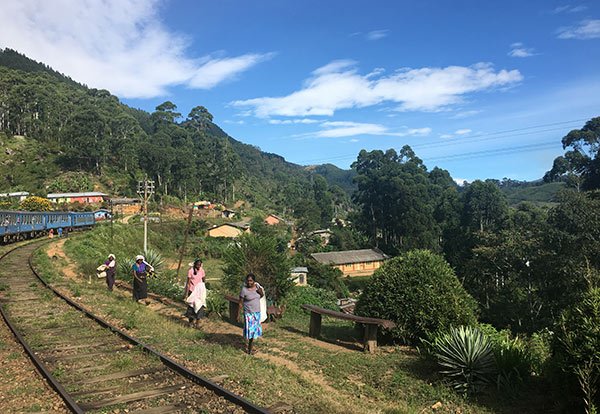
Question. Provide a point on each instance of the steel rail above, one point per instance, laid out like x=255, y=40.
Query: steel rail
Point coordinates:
x=66, y=397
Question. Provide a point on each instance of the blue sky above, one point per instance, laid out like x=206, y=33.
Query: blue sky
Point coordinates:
x=482, y=89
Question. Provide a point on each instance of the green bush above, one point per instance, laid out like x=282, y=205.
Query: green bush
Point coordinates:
x=327, y=277
x=539, y=346
x=165, y=283
x=309, y=295
x=257, y=255
x=513, y=362
x=466, y=357
x=420, y=293
x=577, y=346
x=216, y=303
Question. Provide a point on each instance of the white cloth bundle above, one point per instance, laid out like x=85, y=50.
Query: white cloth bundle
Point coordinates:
x=197, y=298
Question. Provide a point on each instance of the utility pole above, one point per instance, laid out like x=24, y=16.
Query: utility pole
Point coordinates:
x=145, y=189
x=185, y=238
x=112, y=216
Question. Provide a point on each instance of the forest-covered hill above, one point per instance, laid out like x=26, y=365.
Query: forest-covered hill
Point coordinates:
x=61, y=135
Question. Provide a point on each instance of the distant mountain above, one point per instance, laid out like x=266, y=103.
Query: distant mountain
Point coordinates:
x=537, y=192
x=336, y=176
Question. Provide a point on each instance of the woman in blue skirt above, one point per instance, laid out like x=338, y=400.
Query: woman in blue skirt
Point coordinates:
x=250, y=301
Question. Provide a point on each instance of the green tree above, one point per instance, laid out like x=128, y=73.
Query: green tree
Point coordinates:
x=485, y=207
x=258, y=255
x=580, y=166
x=394, y=200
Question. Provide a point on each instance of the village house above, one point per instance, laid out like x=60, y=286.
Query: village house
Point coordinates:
x=203, y=205
x=230, y=230
x=323, y=234
x=299, y=275
x=126, y=206
x=228, y=213
x=20, y=195
x=83, y=198
x=273, y=220
x=353, y=262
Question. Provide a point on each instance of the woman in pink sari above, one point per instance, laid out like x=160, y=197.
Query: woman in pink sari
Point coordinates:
x=195, y=295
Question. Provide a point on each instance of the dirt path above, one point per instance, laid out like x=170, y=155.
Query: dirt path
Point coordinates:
x=55, y=250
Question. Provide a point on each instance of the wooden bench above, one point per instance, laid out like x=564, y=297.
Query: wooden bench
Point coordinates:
x=371, y=324
x=273, y=312
x=234, y=308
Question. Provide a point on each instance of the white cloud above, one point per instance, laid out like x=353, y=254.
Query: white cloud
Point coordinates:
x=461, y=181
x=567, y=8
x=466, y=114
x=458, y=132
x=337, y=85
x=293, y=121
x=519, y=50
x=337, y=129
x=215, y=71
x=377, y=34
x=119, y=45
x=586, y=29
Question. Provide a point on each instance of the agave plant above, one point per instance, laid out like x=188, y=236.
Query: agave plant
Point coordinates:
x=466, y=357
x=152, y=257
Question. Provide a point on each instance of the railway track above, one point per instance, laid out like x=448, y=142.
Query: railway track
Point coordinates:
x=94, y=366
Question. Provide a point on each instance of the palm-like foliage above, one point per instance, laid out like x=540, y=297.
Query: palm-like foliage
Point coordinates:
x=466, y=357
x=153, y=257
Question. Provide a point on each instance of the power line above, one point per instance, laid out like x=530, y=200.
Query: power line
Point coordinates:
x=472, y=139
x=498, y=151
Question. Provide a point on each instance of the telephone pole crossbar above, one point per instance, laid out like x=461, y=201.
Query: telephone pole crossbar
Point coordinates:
x=145, y=189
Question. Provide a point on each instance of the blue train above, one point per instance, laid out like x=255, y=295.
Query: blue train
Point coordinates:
x=20, y=225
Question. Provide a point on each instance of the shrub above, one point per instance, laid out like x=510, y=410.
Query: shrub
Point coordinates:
x=327, y=277
x=576, y=348
x=539, y=349
x=258, y=255
x=216, y=303
x=311, y=296
x=513, y=362
x=420, y=293
x=165, y=283
x=35, y=203
x=466, y=357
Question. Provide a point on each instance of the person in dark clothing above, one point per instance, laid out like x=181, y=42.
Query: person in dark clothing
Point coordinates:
x=111, y=270
x=140, y=273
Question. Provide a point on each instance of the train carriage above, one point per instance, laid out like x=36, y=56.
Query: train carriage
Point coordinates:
x=19, y=225
x=58, y=219
x=82, y=219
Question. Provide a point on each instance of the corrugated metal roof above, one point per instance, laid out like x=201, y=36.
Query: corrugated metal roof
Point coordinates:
x=63, y=195
x=299, y=270
x=350, y=256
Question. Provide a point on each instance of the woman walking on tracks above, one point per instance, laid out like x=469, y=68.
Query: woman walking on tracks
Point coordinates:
x=111, y=269
x=140, y=273
x=250, y=299
x=195, y=295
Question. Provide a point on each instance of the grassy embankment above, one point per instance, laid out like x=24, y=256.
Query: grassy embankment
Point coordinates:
x=312, y=376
